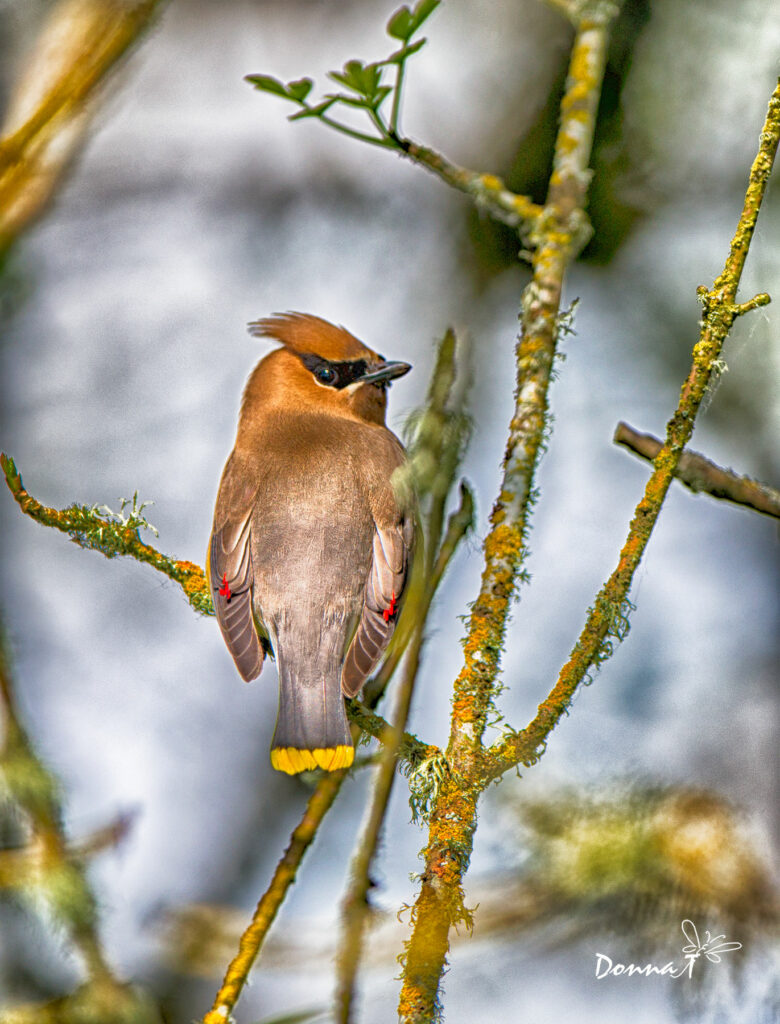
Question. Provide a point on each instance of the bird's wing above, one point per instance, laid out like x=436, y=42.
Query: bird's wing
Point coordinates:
x=230, y=572
x=384, y=589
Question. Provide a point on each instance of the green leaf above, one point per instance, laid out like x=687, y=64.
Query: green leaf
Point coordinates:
x=299, y=89
x=351, y=76
x=422, y=11
x=372, y=76
x=360, y=78
x=265, y=83
x=400, y=24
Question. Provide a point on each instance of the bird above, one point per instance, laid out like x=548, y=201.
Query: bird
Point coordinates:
x=312, y=541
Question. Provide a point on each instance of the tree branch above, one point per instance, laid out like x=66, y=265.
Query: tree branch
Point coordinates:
x=699, y=473
x=106, y=533
x=608, y=616
x=488, y=191
x=559, y=234
x=319, y=804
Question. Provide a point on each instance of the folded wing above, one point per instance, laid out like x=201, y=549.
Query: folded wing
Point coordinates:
x=385, y=586
x=230, y=575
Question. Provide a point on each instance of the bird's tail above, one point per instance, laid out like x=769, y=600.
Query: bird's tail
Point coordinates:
x=311, y=728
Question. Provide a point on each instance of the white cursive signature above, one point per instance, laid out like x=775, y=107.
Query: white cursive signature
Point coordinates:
x=711, y=947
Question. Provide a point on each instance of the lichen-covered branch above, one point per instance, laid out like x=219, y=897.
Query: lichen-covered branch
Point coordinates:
x=318, y=806
x=410, y=749
x=488, y=191
x=111, y=535
x=559, y=235
x=82, y=41
x=700, y=474
x=607, y=618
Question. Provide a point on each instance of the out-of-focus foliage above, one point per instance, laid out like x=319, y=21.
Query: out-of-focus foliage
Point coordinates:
x=637, y=859
x=100, y=1002
x=48, y=872
x=48, y=115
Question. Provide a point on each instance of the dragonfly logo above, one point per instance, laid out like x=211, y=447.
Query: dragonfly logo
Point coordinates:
x=711, y=947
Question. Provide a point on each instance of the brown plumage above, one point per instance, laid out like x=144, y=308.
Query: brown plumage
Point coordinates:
x=310, y=547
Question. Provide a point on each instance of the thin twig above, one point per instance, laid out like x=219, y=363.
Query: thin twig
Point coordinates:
x=487, y=190
x=19, y=865
x=699, y=473
x=237, y=973
x=355, y=907
x=607, y=618
x=352, y=133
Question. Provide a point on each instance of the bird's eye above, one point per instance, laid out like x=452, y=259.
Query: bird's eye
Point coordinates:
x=325, y=374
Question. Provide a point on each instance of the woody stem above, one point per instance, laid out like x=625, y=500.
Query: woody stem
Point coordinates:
x=561, y=232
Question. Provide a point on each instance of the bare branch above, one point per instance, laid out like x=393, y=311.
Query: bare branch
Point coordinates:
x=699, y=473
x=488, y=191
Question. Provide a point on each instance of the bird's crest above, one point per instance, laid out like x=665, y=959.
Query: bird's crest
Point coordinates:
x=303, y=333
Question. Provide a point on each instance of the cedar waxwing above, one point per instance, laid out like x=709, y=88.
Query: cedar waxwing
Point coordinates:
x=310, y=547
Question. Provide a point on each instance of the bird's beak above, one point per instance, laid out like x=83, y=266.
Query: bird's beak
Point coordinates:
x=385, y=373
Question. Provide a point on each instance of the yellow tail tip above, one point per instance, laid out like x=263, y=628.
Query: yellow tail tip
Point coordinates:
x=291, y=760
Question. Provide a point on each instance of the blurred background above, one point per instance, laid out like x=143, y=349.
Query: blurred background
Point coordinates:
x=192, y=206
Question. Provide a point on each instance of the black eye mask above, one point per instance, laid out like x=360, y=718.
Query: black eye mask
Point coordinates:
x=334, y=375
